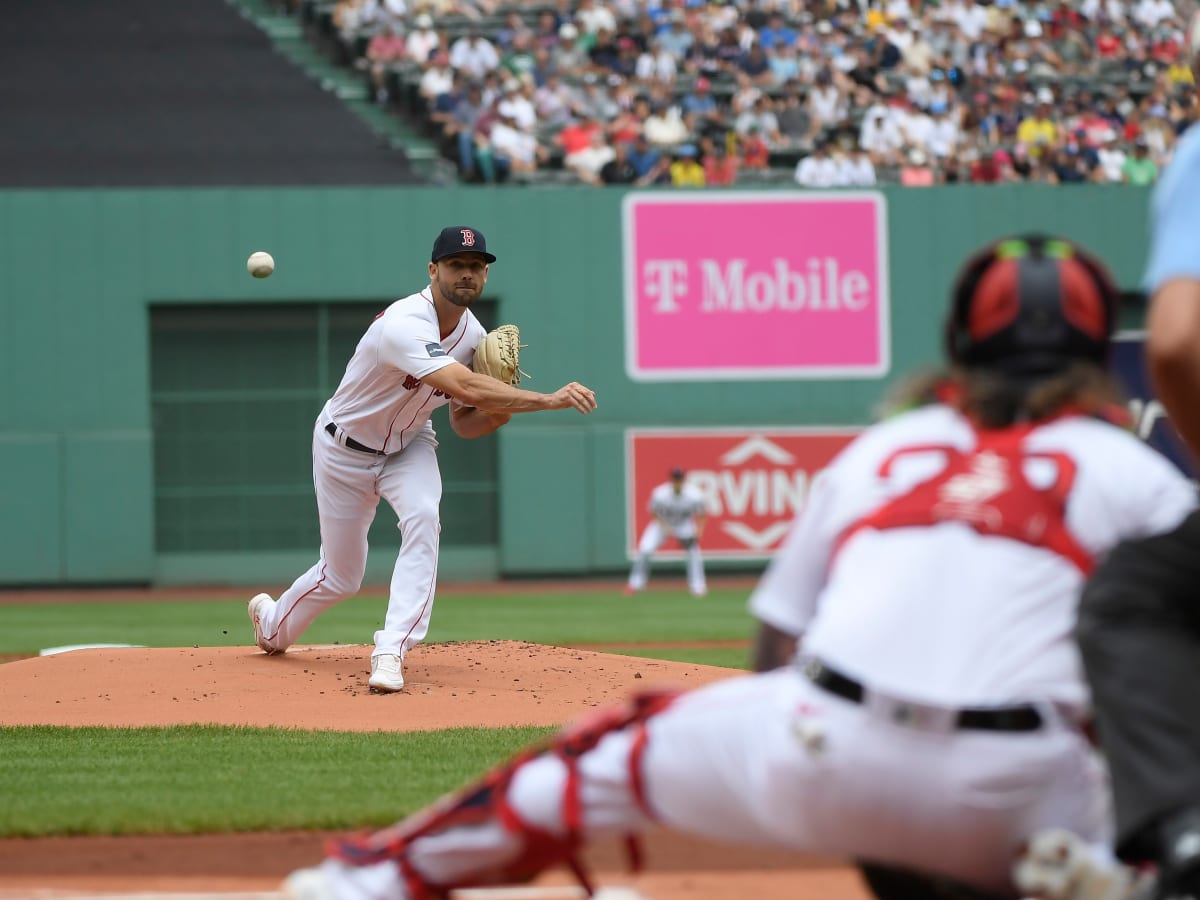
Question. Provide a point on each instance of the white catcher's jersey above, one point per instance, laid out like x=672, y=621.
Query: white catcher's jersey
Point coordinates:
x=382, y=401
x=932, y=570
x=677, y=511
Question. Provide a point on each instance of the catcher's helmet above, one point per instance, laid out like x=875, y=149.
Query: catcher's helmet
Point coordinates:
x=1029, y=306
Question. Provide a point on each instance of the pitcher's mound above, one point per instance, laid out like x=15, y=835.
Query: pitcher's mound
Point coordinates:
x=477, y=683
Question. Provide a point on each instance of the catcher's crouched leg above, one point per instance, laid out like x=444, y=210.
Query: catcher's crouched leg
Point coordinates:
x=520, y=819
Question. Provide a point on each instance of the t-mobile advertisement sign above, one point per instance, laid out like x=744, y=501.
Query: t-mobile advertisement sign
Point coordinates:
x=740, y=285
x=753, y=481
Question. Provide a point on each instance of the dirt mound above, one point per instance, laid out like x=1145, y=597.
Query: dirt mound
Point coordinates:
x=486, y=683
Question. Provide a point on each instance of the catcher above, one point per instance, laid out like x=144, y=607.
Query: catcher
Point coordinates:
x=933, y=717
x=374, y=439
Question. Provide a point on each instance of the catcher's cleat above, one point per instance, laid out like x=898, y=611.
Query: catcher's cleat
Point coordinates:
x=387, y=673
x=255, y=609
x=1059, y=865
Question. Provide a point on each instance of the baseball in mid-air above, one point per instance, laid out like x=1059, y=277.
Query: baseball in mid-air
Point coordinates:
x=260, y=264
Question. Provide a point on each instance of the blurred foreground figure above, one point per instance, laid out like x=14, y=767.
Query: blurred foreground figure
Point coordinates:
x=924, y=707
x=1140, y=621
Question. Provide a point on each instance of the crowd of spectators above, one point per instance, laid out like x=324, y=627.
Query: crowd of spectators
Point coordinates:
x=824, y=93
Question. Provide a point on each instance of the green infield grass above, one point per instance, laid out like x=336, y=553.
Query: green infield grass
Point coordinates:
x=728, y=657
x=543, y=618
x=212, y=779
x=193, y=779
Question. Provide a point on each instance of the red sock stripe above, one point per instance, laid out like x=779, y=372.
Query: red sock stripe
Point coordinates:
x=637, y=782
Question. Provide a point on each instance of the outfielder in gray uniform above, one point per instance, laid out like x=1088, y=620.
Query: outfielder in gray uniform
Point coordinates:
x=374, y=439
x=679, y=512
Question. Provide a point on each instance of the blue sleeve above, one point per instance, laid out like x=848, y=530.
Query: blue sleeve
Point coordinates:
x=1175, y=217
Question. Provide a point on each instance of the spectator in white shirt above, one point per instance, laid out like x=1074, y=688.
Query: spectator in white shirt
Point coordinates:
x=918, y=55
x=826, y=105
x=474, y=54
x=664, y=127
x=437, y=79
x=1111, y=160
x=657, y=64
x=817, y=170
x=510, y=144
x=588, y=162
x=971, y=19
x=944, y=133
x=880, y=134
x=422, y=40
x=1150, y=12
x=857, y=169
x=516, y=103
x=918, y=89
x=593, y=17
x=899, y=35
x=1112, y=10
x=918, y=128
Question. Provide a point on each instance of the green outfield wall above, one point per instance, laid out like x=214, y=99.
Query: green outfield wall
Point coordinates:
x=158, y=401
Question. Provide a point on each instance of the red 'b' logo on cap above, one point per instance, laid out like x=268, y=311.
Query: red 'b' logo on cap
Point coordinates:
x=468, y=237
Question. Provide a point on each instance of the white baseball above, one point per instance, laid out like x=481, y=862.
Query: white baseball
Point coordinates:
x=260, y=264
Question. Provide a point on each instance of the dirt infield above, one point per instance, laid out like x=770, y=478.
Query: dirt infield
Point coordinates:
x=476, y=683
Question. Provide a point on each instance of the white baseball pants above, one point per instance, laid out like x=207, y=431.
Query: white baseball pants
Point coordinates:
x=349, y=484
x=773, y=760
x=652, y=538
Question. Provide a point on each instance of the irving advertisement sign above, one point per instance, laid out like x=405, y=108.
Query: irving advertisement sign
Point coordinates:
x=753, y=480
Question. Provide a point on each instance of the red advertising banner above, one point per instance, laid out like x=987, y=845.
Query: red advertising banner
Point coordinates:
x=753, y=480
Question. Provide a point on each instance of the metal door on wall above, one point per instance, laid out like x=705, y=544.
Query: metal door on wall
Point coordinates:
x=234, y=393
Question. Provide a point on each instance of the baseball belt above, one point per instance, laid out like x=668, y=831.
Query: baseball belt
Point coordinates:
x=351, y=442
x=1022, y=717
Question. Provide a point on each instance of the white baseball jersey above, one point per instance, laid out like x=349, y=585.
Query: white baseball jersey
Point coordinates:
x=924, y=528
x=381, y=401
x=941, y=567
x=676, y=510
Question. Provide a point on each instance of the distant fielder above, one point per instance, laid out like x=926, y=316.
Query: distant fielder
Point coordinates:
x=678, y=510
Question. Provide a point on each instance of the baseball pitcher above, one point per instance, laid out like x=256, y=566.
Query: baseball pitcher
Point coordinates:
x=373, y=439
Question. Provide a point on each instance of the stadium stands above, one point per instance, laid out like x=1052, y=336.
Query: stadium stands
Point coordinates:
x=903, y=91
x=186, y=92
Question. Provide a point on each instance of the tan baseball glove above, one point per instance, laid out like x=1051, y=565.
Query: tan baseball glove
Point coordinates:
x=499, y=355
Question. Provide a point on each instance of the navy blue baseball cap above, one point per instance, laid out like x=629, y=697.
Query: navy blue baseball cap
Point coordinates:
x=460, y=239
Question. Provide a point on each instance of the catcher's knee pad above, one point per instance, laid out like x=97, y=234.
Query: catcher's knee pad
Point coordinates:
x=488, y=801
